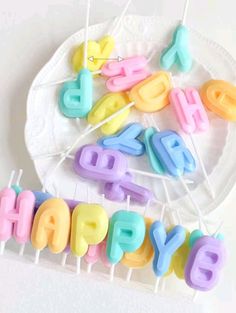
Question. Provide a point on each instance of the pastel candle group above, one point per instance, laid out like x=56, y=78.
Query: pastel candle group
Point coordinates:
x=109, y=166
x=127, y=238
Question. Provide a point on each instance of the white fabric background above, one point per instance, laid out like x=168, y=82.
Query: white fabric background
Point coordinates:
x=30, y=32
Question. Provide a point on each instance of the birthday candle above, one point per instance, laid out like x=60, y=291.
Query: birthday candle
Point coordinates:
x=51, y=227
x=177, y=53
x=192, y=117
x=220, y=97
x=105, y=107
x=89, y=227
x=16, y=214
x=165, y=245
x=142, y=256
x=75, y=99
x=126, y=140
x=205, y=263
x=153, y=159
x=177, y=160
x=119, y=191
x=126, y=234
x=124, y=74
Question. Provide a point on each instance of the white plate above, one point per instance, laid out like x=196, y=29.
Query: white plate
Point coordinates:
x=48, y=131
